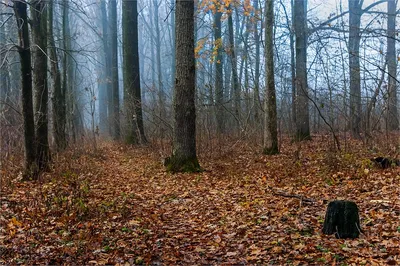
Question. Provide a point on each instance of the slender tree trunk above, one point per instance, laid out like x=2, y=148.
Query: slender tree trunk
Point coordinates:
x=161, y=92
x=39, y=29
x=173, y=66
x=302, y=112
x=392, y=112
x=271, y=127
x=4, y=72
x=103, y=81
x=293, y=66
x=354, y=64
x=219, y=90
x=107, y=69
x=59, y=115
x=24, y=51
x=69, y=67
x=132, y=95
x=184, y=158
x=114, y=68
x=257, y=101
x=235, y=81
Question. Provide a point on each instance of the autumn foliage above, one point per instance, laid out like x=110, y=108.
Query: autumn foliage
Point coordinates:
x=119, y=206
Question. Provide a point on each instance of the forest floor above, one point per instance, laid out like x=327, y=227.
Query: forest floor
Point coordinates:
x=118, y=206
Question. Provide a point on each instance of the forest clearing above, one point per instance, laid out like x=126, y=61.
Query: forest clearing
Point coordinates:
x=119, y=206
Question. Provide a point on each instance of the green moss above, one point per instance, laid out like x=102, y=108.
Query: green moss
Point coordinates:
x=179, y=165
x=302, y=136
x=271, y=151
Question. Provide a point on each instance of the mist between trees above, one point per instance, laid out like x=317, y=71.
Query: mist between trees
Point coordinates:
x=74, y=72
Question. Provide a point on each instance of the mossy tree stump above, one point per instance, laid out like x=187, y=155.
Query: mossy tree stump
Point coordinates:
x=342, y=219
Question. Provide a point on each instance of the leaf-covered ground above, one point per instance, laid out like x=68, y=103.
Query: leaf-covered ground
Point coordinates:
x=119, y=206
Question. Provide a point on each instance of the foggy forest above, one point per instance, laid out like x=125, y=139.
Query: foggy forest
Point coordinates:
x=192, y=132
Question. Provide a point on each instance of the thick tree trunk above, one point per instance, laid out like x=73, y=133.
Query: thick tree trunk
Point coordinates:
x=132, y=95
x=392, y=112
x=27, y=102
x=184, y=157
x=302, y=112
x=342, y=219
x=354, y=64
x=114, y=69
x=270, y=128
x=219, y=90
x=39, y=29
x=59, y=115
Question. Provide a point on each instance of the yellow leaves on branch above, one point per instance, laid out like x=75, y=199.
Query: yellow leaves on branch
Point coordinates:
x=199, y=47
x=225, y=6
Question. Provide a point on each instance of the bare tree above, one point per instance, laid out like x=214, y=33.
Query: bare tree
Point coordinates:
x=132, y=95
x=39, y=30
x=115, y=121
x=392, y=113
x=59, y=111
x=302, y=112
x=219, y=90
x=20, y=10
x=270, y=127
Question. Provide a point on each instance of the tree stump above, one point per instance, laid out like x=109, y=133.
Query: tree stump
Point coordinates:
x=342, y=219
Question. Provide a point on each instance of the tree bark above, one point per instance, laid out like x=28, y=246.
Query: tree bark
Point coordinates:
x=235, y=81
x=132, y=95
x=392, y=112
x=184, y=158
x=30, y=166
x=114, y=69
x=354, y=64
x=161, y=91
x=59, y=113
x=302, y=112
x=219, y=90
x=256, y=98
x=271, y=128
x=39, y=30
x=107, y=96
x=342, y=219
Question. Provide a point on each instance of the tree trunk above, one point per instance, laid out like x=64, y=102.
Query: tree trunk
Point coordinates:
x=256, y=99
x=39, y=29
x=184, y=157
x=59, y=115
x=392, y=112
x=24, y=51
x=270, y=128
x=114, y=69
x=302, y=112
x=104, y=81
x=235, y=81
x=161, y=92
x=4, y=72
x=132, y=95
x=354, y=64
x=219, y=90
x=342, y=219
x=108, y=112
x=293, y=66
